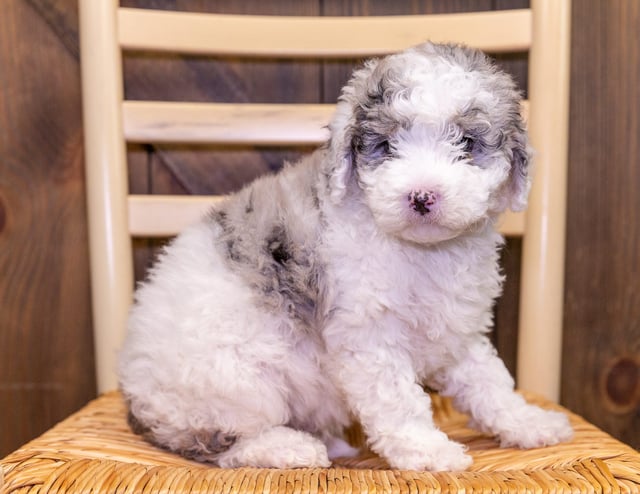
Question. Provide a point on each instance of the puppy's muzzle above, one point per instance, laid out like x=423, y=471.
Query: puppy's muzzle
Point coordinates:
x=422, y=202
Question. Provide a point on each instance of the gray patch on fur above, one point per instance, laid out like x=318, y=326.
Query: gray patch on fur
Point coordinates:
x=291, y=275
x=273, y=260
x=511, y=135
x=470, y=59
x=196, y=445
x=232, y=241
x=374, y=129
x=206, y=445
x=135, y=425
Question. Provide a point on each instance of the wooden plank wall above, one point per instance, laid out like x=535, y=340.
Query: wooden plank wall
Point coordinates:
x=601, y=369
x=46, y=362
x=46, y=359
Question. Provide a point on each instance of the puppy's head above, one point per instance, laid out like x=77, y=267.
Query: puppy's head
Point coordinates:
x=433, y=140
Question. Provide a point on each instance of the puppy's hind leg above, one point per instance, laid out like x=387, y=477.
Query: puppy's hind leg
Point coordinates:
x=276, y=447
x=200, y=445
x=254, y=437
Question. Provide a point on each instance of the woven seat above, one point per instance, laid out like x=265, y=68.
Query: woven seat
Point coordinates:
x=94, y=450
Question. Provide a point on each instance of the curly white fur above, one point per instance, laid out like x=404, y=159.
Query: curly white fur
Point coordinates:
x=339, y=286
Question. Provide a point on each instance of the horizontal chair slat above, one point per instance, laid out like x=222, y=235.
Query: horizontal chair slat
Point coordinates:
x=512, y=224
x=165, y=216
x=226, y=123
x=326, y=37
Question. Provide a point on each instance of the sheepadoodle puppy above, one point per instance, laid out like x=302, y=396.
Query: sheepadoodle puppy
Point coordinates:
x=336, y=288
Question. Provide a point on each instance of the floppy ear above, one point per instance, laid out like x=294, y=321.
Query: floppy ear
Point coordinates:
x=345, y=128
x=520, y=175
x=340, y=166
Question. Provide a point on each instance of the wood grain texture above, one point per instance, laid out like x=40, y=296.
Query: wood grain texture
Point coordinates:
x=601, y=358
x=46, y=359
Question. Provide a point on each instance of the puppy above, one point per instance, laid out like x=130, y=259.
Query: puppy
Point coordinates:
x=337, y=287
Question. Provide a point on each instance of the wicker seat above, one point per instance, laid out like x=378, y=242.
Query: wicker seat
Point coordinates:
x=94, y=449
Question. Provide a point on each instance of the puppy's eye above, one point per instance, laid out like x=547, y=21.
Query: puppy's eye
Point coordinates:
x=371, y=149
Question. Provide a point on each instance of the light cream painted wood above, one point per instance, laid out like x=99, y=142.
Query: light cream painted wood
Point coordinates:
x=542, y=289
x=524, y=109
x=257, y=36
x=165, y=215
x=512, y=224
x=106, y=179
x=226, y=123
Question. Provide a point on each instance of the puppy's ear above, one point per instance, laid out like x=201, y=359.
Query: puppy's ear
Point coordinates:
x=344, y=128
x=520, y=176
x=340, y=166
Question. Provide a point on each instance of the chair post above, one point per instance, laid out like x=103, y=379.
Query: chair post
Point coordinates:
x=107, y=187
x=542, y=288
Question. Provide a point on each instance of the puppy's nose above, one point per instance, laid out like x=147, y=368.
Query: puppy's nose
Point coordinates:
x=422, y=201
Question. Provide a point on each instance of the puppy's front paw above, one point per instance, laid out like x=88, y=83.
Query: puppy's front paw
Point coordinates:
x=431, y=451
x=535, y=428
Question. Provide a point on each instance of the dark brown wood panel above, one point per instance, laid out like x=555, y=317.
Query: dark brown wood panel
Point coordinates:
x=46, y=354
x=601, y=371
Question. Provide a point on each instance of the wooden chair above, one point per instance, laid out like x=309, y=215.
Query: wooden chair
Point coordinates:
x=94, y=449
x=115, y=215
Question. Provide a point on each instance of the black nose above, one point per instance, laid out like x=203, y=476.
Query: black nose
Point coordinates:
x=422, y=202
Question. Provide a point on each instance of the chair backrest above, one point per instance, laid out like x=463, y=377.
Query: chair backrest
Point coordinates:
x=110, y=122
